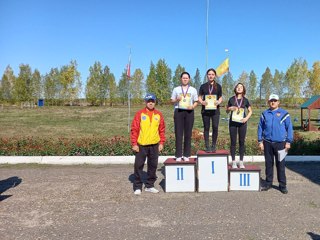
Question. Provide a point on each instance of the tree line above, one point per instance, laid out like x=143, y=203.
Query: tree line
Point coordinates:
x=63, y=85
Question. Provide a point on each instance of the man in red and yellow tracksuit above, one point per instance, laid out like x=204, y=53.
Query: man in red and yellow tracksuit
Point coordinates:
x=147, y=139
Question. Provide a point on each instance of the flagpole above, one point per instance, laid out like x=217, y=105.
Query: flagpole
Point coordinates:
x=207, y=34
x=128, y=80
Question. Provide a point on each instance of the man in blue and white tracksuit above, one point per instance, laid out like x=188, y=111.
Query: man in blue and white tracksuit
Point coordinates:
x=275, y=132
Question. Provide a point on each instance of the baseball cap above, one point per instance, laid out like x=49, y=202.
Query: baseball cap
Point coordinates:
x=273, y=96
x=150, y=96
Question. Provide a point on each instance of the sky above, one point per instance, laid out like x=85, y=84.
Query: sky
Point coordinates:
x=258, y=34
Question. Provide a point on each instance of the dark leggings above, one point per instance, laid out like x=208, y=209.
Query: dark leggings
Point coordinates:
x=241, y=130
x=206, y=118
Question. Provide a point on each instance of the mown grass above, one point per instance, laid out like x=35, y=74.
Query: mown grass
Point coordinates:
x=86, y=122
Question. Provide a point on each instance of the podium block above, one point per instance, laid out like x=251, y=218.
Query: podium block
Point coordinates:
x=245, y=179
x=212, y=171
x=180, y=176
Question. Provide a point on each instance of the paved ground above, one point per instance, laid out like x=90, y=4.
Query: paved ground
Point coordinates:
x=96, y=202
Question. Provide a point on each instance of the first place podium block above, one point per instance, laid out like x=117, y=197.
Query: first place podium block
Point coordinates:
x=180, y=176
x=245, y=179
x=212, y=171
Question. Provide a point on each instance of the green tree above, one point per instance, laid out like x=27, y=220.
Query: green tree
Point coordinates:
x=7, y=83
x=252, y=87
x=123, y=87
x=151, y=83
x=266, y=84
x=112, y=89
x=22, y=86
x=227, y=86
x=244, y=78
x=176, y=78
x=295, y=79
x=278, y=83
x=315, y=79
x=163, y=82
x=36, y=86
x=136, y=86
x=197, y=80
x=51, y=87
x=94, y=80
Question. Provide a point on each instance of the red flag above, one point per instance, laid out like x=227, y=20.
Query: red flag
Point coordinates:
x=128, y=68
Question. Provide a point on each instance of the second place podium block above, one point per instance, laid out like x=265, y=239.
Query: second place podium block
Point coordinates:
x=180, y=176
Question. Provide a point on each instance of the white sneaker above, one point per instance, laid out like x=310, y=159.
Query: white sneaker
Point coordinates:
x=152, y=190
x=186, y=159
x=241, y=165
x=137, y=192
x=178, y=159
x=234, y=164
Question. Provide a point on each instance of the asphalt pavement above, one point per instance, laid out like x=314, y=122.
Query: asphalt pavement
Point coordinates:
x=97, y=202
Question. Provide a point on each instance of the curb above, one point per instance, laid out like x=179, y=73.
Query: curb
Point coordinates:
x=76, y=160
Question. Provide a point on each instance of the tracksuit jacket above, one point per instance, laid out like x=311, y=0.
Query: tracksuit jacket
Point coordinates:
x=146, y=130
x=275, y=126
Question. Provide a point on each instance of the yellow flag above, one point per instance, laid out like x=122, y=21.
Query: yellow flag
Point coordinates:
x=223, y=67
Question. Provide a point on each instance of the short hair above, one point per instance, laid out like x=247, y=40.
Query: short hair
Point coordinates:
x=244, y=89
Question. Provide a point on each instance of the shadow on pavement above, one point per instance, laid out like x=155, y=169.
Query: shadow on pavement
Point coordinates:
x=314, y=236
x=309, y=170
x=7, y=184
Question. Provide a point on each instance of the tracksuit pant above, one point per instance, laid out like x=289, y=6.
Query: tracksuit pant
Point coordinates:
x=151, y=153
x=183, y=124
x=271, y=155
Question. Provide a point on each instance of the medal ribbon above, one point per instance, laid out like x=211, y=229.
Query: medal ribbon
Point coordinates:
x=210, y=89
x=238, y=105
x=184, y=94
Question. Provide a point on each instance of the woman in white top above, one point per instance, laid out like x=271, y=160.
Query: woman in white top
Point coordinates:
x=185, y=99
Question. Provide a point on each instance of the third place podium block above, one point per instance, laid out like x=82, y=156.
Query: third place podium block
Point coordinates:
x=180, y=176
x=245, y=179
x=212, y=171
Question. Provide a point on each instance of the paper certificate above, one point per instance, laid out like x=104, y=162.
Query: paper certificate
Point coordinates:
x=282, y=154
x=185, y=102
x=211, y=102
x=238, y=115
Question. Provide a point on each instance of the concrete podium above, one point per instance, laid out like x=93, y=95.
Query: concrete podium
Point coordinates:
x=212, y=171
x=245, y=179
x=180, y=176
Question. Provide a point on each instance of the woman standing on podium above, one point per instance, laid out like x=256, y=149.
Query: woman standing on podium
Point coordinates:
x=210, y=97
x=185, y=100
x=237, y=105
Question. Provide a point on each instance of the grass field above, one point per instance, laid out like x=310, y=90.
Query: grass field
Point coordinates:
x=79, y=122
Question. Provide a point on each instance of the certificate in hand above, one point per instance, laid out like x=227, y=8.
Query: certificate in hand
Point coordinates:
x=185, y=102
x=211, y=102
x=238, y=115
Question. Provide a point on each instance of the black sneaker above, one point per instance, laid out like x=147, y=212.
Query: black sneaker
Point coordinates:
x=284, y=190
x=265, y=188
x=208, y=149
x=213, y=148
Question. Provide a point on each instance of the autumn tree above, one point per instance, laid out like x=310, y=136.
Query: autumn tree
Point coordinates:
x=315, y=79
x=7, y=83
x=295, y=80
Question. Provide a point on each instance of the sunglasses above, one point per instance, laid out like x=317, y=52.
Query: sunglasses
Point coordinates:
x=273, y=100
